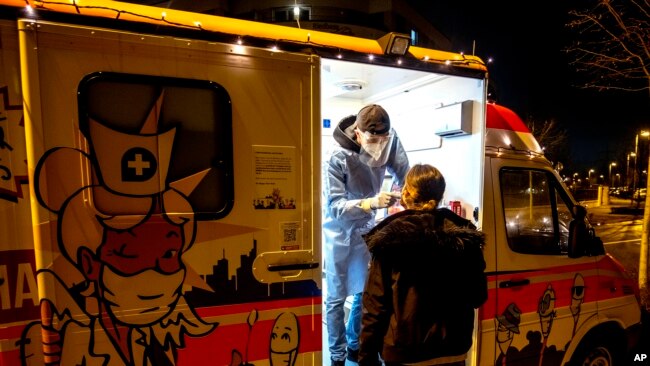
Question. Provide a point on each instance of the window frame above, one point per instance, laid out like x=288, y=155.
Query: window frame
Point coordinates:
x=221, y=164
x=555, y=193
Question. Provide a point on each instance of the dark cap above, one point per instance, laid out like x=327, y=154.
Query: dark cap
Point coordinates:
x=374, y=119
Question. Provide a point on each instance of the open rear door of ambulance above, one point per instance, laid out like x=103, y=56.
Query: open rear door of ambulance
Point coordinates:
x=176, y=197
x=438, y=115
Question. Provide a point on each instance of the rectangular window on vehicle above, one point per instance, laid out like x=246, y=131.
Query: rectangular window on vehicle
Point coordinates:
x=157, y=142
x=536, y=214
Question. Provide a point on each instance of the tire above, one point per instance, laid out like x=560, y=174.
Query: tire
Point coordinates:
x=597, y=353
x=599, y=356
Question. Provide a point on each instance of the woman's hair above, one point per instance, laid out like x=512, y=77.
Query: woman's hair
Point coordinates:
x=423, y=188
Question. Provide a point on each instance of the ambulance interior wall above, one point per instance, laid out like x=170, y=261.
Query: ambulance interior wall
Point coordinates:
x=410, y=109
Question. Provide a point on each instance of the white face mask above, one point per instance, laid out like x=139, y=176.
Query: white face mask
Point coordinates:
x=375, y=149
x=141, y=299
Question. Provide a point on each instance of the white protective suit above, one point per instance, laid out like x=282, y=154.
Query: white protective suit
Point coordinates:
x=347, y=182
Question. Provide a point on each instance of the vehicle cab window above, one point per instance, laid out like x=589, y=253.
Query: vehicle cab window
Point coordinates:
x=536, y=214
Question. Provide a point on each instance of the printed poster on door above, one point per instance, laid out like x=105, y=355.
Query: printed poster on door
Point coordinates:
x=274, y=172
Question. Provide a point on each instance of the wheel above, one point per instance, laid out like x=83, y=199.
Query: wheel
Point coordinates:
x=599, y=356
x=598, y=353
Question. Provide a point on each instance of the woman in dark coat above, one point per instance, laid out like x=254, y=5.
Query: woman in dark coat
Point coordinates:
x=426, y=278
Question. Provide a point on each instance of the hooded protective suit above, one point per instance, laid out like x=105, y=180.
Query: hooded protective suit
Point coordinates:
x=349, y=183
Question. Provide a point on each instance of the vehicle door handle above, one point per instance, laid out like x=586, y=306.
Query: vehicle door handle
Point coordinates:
x=291, y=267
x=514, y=283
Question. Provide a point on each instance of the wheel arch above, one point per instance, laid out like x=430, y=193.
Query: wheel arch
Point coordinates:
x=610, y=332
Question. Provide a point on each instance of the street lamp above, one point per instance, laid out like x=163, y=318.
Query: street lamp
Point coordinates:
x=589, y=176
x=613, y=163
x=635, y=176
x=628, y=178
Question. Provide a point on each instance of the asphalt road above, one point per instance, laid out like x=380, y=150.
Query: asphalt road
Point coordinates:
x=619, y=224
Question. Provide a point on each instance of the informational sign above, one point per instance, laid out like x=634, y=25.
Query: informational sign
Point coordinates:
x=274, y=169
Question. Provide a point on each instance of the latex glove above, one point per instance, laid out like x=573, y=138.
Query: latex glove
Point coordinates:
x=381, y=200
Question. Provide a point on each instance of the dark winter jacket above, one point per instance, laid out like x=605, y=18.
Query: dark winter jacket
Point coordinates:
x=426, y=278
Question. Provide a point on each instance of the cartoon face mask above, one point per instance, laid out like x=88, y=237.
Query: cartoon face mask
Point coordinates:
x=143, y=298
x=375, y=149
x=142, y=271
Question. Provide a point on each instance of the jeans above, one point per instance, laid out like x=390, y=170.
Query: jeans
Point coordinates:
x=340, y=335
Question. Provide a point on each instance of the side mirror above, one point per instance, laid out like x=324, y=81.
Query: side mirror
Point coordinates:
x=582, y=238
x=578, y=232
x=596, y=246
x=579, y=212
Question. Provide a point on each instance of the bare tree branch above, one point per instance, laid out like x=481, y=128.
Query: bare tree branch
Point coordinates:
x=612, y=49
x=612, y=46
x=551, y=137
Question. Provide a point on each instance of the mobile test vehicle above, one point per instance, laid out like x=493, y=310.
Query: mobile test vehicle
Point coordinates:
x=160, y=191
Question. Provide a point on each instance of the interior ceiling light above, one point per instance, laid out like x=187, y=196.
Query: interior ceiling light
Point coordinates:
x=350, y=84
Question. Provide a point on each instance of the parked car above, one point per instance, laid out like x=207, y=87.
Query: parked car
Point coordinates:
x=639, y=194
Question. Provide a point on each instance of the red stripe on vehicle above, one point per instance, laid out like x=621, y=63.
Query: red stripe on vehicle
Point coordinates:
x=605, y=281
x=253, y=343
x=259, y=306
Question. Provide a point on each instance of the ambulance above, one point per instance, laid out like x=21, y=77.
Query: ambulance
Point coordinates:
x=161, y=192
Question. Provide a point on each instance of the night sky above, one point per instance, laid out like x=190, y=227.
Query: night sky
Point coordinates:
x=532, y=77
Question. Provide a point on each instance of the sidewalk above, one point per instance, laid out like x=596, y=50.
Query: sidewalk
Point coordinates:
x=618, y=210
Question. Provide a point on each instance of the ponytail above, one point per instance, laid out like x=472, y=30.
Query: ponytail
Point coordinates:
x=424, y=188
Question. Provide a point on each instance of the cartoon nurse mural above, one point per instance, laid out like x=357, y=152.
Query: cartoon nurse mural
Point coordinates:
x=128, y=308
x=546, y=311
x=507, y=326
x=577, y=298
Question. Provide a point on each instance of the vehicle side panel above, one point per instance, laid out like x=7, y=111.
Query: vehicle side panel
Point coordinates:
x=232, y=307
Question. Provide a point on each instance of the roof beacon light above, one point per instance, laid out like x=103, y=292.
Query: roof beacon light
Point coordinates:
x=395, y=43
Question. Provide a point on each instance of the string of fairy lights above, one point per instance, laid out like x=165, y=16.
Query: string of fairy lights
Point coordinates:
x=32, y=5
